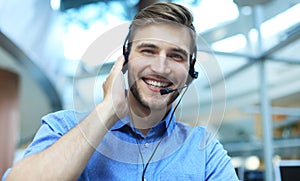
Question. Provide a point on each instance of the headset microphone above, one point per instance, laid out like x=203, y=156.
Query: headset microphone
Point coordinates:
x=169, y=90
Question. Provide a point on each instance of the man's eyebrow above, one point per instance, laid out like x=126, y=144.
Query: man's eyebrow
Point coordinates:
x=148, y=45
x=180, y=50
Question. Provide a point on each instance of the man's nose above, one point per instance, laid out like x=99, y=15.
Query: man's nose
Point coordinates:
x=161, y=65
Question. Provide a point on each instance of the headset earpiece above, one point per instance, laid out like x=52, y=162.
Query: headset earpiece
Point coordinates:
x=126, y=51
x=126, y=55
x=193, y=74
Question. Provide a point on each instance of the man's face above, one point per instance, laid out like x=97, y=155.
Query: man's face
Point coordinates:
x=159, y=58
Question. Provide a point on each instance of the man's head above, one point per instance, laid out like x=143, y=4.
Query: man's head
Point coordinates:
x=160, y=47
x=163, y=13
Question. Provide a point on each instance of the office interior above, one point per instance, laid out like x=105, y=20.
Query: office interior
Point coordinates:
x=247, y=94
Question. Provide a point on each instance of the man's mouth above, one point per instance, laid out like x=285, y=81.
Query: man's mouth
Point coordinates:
x=156, y=83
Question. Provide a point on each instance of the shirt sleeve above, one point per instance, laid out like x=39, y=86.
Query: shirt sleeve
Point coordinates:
x=218, y=165
x=53, y=127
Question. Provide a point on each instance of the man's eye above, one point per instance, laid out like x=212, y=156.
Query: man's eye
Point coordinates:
x=147, y=52
x=177, y=57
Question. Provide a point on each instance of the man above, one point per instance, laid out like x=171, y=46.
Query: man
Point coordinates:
x=133, y=137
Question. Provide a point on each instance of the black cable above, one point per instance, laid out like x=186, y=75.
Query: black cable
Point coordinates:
x=140, y=152
x=145, y=168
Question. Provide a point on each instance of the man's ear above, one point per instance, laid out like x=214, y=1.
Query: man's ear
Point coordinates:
x=192, y=73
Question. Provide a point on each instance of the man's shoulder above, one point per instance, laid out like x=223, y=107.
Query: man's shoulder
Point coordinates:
x=194, y=128
x=199, y=134
x=63, y=118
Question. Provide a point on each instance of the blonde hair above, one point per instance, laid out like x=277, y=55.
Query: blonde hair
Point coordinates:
x=167, y=11
x=163, y=12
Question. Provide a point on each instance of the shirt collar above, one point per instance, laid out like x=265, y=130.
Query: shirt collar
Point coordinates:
x=166, y=124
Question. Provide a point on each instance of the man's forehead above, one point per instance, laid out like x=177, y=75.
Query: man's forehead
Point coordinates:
x=178, y=36
x=173, y=27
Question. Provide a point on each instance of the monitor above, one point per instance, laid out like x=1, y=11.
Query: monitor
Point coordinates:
x=287, y=170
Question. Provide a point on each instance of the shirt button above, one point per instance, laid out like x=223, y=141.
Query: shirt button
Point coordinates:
x=146, y=145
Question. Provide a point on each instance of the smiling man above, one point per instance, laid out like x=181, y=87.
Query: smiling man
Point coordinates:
x=158, y=59
x=133, y=136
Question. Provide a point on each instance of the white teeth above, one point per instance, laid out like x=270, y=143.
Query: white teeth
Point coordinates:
x=156, y=84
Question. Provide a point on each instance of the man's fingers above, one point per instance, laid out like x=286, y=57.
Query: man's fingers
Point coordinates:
x=119, y=64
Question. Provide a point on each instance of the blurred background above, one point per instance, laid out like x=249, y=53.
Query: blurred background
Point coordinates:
x=256, y=45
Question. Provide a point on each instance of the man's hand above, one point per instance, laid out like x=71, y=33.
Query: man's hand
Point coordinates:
x=114, y=90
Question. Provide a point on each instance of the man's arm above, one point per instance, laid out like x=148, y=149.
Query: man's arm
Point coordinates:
x=67, y=157
x=219, y=166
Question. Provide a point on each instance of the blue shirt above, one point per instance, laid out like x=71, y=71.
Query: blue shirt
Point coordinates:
x=178, y=151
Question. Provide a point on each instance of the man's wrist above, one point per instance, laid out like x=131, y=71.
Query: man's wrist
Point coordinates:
x=106, y=113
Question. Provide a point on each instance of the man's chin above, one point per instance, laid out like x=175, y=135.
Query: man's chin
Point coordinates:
x=158, y=107
x=153, y=102
x=160, y=103
x=155, y=105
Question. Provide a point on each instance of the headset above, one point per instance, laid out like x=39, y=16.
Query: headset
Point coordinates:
x=126, y=52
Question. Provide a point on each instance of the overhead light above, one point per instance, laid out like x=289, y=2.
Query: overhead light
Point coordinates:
x=207, y=15
x=250, y=3
x=282, y=22
x=230, y=44
x=252, y=163
x=55, y=4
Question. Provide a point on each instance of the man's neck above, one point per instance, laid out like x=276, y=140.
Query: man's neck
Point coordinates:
x=144, y=118
x=145, y=122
